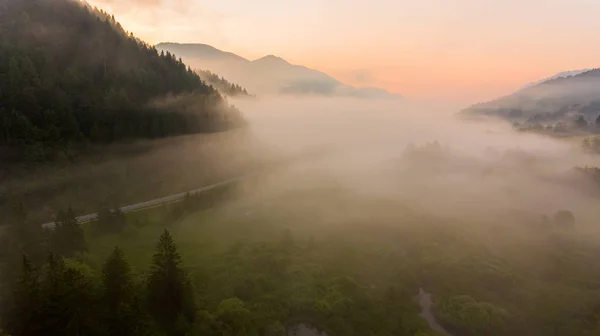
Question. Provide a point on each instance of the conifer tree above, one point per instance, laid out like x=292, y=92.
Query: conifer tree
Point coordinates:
x=116, y=278
x=168, y=289
x=24, y=313
x=118, y=296
x=67, y=301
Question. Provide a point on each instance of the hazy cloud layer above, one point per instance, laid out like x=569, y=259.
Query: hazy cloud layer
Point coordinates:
x=484, y=169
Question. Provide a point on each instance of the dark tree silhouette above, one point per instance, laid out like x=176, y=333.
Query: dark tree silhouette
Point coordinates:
x=222, y=84
x=67, y=305
x=169, y=293
x=119, y=302
x=25, y=309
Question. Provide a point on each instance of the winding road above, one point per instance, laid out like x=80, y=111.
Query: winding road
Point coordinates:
x=307, y=154
x=155, y=202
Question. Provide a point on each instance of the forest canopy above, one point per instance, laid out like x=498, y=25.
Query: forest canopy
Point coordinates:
x=70, y=75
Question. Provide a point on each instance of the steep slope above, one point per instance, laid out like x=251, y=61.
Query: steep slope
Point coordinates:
x=269, y=74
x=559, y=100
x=70, y=74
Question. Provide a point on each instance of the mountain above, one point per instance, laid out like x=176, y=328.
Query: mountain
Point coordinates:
x=269, y=74
x=70, y=75
x=198, y=50
x=558, y=75
x=561, y=100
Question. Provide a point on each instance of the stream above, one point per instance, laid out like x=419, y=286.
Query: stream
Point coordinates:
x=423, y=298
x=304, y=330
x=426, y=302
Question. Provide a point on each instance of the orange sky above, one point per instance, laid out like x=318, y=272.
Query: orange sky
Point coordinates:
x=453, y=50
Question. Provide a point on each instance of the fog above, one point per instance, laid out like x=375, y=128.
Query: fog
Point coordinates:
x=359, y=147
x=481, y=168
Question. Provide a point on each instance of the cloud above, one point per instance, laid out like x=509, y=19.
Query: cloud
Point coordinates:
x=167, y=20
x=130, y=4
x=153, y=7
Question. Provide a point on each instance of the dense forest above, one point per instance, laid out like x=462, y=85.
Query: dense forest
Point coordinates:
x=223, y=85
x=189, y=269
x=70, y=75
x=62, y=296
x=256, y=260
x=52, y=286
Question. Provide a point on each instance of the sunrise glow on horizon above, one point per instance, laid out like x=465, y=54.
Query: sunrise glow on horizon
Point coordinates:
x=462, y=51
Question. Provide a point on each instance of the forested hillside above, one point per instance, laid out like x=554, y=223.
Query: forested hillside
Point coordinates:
x=223, y=85
x=70, y=74
x=561, y=105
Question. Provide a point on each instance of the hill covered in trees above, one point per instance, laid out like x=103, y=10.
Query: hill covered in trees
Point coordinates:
x=70, y=75
x=559, y=105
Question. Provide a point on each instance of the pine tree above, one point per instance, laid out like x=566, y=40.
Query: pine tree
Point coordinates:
x=24, y=315
x=168, y=289
x=116, y=278
x=23, y=237
x=67, y=305
x=68, y=237
x=118, y=296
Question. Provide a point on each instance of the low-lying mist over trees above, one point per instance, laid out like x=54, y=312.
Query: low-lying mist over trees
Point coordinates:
x=377, y=201
x=324, y=216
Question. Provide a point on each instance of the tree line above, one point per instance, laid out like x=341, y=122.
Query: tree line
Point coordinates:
x=70, y=75
x=55, y=294
x=258, y=289
x=223, y=85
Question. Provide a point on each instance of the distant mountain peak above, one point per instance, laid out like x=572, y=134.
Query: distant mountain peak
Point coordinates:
x=271, y=59
x=270, y=74
x=197, y=50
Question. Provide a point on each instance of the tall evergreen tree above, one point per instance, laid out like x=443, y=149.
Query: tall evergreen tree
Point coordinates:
x=169, y=293
x=68, y=237
x=116, y=278
x=24, y=313
x=118, y=297
x=21, y=237
x=67, y=305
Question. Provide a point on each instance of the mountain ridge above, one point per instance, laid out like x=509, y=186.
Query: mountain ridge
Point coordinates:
x=270, y=74
x=562, y=100
x=562, y=74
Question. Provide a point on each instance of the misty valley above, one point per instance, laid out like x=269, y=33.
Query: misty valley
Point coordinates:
x=141, y=196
